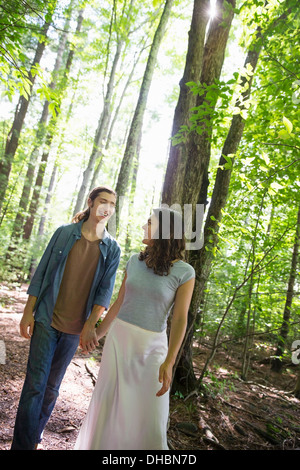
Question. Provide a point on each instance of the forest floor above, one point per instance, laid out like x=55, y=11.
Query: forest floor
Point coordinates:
x=260, y=414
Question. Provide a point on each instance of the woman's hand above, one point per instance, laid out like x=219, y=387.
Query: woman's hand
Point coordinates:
x=165, y=377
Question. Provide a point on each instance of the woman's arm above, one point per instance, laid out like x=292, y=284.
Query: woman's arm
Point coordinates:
x=102, y=329
x=178, y=327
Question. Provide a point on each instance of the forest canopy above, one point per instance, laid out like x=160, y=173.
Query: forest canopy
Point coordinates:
x=169, y=102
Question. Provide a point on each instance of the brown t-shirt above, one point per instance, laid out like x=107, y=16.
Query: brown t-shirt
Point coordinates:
x=69, y=310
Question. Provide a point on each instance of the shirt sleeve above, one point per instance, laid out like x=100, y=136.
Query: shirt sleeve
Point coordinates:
x=188, y=274
x=38, y=277
x=106, y=286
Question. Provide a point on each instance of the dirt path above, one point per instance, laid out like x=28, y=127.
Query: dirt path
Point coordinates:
x=230, y=414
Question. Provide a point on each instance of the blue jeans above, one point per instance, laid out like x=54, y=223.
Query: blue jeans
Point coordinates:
x=51, y=352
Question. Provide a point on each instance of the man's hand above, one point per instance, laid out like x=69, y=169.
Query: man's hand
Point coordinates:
x=88, y=338
x=27, y=324
x=27, y=320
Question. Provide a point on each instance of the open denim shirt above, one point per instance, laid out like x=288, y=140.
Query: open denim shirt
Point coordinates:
x=47, y=278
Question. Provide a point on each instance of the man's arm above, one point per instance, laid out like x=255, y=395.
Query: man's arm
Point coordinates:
x=88, y=339
x=38, y=277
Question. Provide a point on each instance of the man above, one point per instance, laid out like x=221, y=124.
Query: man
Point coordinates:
x=71, y=288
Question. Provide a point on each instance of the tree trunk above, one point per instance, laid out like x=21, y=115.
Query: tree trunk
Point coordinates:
x=192, y=72
x=137, y=121
x=277, y=361
x=12, y=141
x=101, y=132
x=109, y=134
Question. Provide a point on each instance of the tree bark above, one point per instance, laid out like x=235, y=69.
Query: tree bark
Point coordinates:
x=177, y=158
x=276, y=365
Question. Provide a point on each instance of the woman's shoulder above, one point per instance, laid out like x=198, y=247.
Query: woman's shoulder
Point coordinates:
x=184, y=266
x=184, y=271
x=133, y=258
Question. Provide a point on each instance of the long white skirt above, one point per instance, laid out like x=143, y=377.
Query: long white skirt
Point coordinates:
x=124, y=412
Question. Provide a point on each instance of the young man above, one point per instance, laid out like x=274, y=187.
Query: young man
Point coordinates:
x=71, y=288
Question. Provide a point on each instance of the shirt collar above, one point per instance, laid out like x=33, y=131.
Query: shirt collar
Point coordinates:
x=77, y=231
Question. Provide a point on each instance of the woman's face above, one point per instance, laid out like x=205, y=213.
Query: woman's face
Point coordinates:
x=150, y=230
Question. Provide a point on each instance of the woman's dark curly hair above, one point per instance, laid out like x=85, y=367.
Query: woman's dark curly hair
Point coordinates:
x=165, y=249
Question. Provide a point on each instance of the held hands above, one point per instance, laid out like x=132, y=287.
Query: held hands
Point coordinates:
x=165, y=377
x=88, y=339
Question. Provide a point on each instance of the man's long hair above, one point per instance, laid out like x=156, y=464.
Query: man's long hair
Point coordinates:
x=163, y=250
x=84, y=215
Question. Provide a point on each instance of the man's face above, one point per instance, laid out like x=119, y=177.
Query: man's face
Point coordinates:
x=103, y=207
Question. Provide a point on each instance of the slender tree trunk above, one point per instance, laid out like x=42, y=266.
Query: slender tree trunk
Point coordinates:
x=12, y=141
x=137, y=121
x=202, y=260
x=41, y=229
x=109, y=134
x=277, y=361
x=101, y=132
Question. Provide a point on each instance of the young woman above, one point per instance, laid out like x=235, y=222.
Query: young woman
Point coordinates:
x=130, y=405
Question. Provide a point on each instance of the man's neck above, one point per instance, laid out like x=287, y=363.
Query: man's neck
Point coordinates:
x=92, y=230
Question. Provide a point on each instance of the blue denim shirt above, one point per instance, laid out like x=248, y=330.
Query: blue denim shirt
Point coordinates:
x=47, y=278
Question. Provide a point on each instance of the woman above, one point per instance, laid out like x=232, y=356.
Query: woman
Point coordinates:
x=130, y=404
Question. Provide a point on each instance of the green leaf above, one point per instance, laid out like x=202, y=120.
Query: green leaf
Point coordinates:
x=283, y=134
x=288, y=124
x=247, y=160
